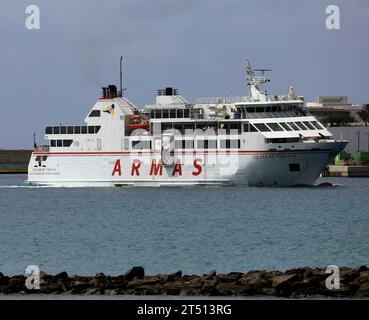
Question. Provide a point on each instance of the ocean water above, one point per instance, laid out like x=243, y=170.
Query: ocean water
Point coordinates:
x=88, y=230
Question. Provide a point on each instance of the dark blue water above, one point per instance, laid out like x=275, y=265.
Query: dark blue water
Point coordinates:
x=89, y=230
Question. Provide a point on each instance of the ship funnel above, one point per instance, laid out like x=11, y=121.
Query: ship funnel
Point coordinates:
x=109, y=92
x=168, y=91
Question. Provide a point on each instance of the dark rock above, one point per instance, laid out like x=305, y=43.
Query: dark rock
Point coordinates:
x=230, y=277
x=100, y=275
x=196, y=283
x=362, y=278
x=175, y=276
x=254, y=281
x=229, y=289
x=283, y=280
x=172, y=289
x=363, y=290
x=61, y=275
x=16, y=284
x=210, y=274
x=363, y=268
x=135, y=272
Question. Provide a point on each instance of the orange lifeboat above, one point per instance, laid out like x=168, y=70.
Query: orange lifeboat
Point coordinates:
x=135, y=122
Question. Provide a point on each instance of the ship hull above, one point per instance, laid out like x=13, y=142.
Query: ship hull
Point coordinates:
x=253, y=168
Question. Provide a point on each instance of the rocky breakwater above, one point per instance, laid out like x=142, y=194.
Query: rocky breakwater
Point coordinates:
x=294, y=283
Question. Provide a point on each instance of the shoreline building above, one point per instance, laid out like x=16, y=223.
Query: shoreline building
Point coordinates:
x=335, y=111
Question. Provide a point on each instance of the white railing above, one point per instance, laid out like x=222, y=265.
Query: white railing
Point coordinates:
x=218, y=100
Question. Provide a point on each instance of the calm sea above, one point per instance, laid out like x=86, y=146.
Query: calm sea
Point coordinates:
x=89, y=230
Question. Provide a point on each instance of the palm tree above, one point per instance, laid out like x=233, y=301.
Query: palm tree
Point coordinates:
x=364, y=113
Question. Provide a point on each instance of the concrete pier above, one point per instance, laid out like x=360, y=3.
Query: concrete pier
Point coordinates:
x=346, y=171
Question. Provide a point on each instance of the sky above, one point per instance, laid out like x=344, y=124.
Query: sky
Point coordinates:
x=54, y=75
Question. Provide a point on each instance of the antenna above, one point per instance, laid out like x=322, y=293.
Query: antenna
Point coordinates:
x=121, y=78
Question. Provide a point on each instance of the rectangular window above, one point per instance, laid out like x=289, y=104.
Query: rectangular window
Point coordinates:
x=180, y=113
x=294, y=167
x=63, y=130
x=77, y=129
x=186, y=113
x=152, y=114
x=235, y=127
x=200, y=144
x=70, y=130
x=49, y=130
x=165, y=114
x=59, y=143
x=95, y=113
x=56, y=130
x=91, y=129
x=250, y=109
x=230, y=144
x=300, y=125
x=53, y=143
x=212, y=144
x=285, y=126
x=97, y=129
x=246, y=127
x=293, y=126
x=309, y=125
x=188, y=144
x=275, y=126
x=84, y=129
x=158, y=114
x=262, y=127
x=140, y=145
x=67, y=143
x=172, y=113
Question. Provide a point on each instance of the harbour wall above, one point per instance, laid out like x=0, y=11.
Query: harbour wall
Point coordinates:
x=295, y=283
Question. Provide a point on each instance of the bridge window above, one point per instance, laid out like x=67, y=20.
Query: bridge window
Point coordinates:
x=301, y=126
x=77, y=129
x=293, y=126
x=84, y=129
x=95, y=113
x=70, y=129
x=261, y=127
x=275, y=126
x=49, y=130
x=285, y=126
x=309, y=125
x=56, y=130
x=97, y=129
x=172, y=113
x=165, y=114
x=63, y=130
x=91, y=129
x=317, y=125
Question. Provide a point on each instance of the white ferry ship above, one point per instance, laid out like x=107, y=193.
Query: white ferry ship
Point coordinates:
x=249, y=140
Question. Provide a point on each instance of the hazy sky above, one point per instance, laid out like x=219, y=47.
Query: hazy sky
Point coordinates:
x=53, y=75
